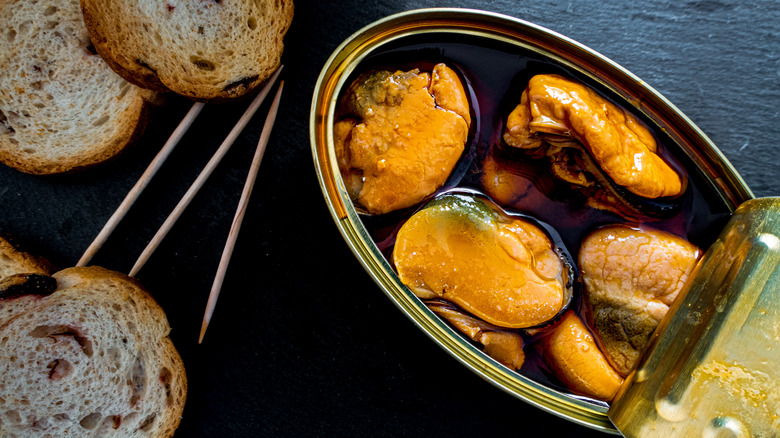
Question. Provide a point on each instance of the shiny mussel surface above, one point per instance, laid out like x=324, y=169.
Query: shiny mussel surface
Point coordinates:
x=502, y=269
x=400, y=135
x=631, y=277
x=594, y=145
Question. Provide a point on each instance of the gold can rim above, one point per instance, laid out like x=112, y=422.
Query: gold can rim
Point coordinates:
x=347, y=57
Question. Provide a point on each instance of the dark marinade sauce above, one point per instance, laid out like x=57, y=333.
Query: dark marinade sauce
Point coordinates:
x=495, y=75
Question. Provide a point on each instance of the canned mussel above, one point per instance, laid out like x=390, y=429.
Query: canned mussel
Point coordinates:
x=506, y=184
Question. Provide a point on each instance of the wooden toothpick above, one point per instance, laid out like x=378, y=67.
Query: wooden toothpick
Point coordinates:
x=141, y=184
x=205, y=173
x=239, y=216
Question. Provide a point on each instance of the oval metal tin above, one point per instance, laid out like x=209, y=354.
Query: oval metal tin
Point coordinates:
x=507, y=30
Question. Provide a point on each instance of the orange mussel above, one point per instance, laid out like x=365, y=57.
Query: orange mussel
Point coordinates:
x=505, y=346
x=400, y=136
x=574, y=357
x=592, y=144
x=504, y=270
x=631, y=276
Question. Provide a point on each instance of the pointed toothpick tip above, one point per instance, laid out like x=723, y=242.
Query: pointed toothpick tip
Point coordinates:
x=240, y=210
x=203, y=328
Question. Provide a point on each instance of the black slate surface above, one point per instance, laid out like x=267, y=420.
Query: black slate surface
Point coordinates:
x=302, y=341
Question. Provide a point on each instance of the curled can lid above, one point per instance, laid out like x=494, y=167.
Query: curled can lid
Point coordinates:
x=712, y=367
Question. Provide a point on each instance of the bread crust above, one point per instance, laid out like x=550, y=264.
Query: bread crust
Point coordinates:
x=138, y=42
x=112, y=369
x=62, y=109
x=15, y=261
x=141, y=77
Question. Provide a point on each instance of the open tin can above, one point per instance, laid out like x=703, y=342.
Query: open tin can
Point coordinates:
x=496, y=52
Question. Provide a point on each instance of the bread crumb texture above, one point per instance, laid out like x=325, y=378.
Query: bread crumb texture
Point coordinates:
x=61, y=106
x=91, y=359
x=206, y=50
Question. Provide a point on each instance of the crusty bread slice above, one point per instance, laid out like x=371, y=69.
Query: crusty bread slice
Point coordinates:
x=14, y=261
x=207, y=50
x=61, y=106
x=90, y=357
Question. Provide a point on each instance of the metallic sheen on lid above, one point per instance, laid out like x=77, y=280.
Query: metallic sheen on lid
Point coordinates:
x=712, y=367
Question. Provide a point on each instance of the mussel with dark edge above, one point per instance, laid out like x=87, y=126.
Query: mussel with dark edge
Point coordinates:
x=400, y=135
x=503, y=269
x=595, y=146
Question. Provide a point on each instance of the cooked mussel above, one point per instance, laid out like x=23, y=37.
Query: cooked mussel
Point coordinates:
x=505, y=346
x=631, y=276
x=502, y=269
x=596, y=146
x=400, y=135
x=575, y=359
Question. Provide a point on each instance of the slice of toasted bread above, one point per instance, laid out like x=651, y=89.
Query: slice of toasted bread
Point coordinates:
x=207, y=50
x=90, y=356
x=14, y=261
x=61, y=107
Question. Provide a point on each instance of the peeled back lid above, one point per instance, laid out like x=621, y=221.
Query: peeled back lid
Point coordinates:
x=712, y=367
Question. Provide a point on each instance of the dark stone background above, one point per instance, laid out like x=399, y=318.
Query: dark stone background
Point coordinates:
x=302, y=341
